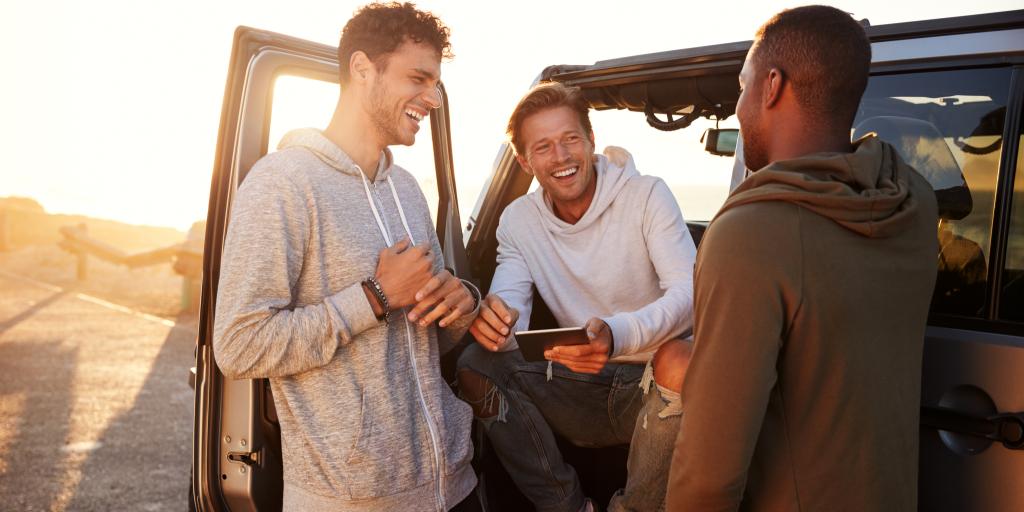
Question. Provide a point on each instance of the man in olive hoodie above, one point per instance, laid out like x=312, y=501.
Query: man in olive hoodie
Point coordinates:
x=812, y=288
x=332, y=286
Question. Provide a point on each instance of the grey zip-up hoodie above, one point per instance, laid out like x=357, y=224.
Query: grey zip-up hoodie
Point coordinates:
x=367, y=421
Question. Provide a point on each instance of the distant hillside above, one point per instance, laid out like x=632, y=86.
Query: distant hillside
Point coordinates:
x=27, y=224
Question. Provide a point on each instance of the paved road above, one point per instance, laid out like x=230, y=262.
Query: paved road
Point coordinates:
x=95, y=408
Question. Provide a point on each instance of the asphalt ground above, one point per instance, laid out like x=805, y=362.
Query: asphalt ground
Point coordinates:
x=95, y=407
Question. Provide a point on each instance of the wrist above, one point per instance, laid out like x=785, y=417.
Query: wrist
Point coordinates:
x=378, y=301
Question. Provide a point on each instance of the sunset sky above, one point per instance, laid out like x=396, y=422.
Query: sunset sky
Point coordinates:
x=111, y=108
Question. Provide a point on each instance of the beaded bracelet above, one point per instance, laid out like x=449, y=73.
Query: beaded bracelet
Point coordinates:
x=378, y=292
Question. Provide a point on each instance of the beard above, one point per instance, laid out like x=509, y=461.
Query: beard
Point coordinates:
x=383, y=116
x=754, y=153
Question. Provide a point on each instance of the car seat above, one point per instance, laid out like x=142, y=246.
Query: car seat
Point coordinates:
x=962, y=269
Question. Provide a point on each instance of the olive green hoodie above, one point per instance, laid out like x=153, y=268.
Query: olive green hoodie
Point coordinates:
x=812, y=287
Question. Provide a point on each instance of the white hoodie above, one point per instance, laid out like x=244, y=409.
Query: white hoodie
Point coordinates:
x=628, y=260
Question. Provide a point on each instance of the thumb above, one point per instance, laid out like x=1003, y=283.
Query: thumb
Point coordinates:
x=593, y=328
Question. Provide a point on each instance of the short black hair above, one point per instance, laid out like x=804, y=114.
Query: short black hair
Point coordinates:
x=823, y=53
x=378, y=29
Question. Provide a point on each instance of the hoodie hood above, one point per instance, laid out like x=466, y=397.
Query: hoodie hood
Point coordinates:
x=611, y=177
x=866, y=191
x=314, y=140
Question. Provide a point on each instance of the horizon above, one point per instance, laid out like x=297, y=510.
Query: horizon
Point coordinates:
x=115, y=107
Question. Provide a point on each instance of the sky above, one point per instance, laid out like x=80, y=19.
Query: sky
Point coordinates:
x=111, y=108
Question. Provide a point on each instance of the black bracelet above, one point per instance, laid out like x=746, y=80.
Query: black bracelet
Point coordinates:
x=378, y=292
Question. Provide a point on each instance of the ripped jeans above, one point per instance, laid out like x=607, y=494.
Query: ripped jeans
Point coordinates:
x=606, y=409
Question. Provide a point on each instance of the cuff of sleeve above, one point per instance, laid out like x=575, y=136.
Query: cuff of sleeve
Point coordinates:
x=476, y=296
x=622, y=340
x=351, y=312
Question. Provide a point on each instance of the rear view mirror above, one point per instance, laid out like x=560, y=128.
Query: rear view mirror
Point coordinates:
x=721, y=142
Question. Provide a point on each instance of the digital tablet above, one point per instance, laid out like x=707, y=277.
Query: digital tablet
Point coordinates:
x=533, y=343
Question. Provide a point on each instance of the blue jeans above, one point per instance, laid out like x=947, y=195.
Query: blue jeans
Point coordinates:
x=606, y=409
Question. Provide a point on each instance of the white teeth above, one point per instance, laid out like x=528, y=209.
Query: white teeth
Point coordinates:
x=413, y=114
x=568, y=172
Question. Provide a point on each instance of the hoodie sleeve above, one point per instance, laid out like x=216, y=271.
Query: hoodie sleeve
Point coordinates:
x=672, y=253
x=512, y=280
x=743, y=309
x=259, y=331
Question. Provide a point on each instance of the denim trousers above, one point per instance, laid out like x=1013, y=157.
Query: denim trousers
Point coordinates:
x=619, y=405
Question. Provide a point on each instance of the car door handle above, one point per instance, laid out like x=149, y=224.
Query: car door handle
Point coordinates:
x=1006, y=428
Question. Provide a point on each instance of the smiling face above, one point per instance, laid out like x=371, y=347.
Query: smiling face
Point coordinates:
x=403, y=92
x=561, y=155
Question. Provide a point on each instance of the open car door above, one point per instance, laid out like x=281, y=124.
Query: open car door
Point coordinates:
x=276, y=83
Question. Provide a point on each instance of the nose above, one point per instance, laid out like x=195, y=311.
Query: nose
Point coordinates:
x=561, y=151
x=433, y=97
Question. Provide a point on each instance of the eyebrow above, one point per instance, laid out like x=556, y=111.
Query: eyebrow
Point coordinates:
x=425, y=73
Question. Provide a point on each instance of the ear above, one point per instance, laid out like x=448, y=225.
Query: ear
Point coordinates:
x=359, y=66
x=773, y=88
x=591, y=137
x=524, y=164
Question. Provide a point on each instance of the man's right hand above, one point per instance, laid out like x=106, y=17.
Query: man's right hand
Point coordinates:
x=493, y=326
x=402, y=271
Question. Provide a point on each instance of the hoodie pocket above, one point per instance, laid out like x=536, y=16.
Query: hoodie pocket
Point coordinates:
x=392, y=452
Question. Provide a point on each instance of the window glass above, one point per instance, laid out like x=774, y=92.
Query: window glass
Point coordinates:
x=1011, y=301
x=307, y=103
x=948, y=125
x=698, y=180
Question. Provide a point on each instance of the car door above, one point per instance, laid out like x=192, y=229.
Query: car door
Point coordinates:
x=276, y=83
x=951, y=105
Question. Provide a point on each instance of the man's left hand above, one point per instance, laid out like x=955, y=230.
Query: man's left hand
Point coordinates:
x=589, y=358
x=444, y=297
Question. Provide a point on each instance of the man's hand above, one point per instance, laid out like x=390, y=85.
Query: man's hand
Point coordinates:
x=493, y=326
x=443, y=296
x=402, y=271
x=589, y=358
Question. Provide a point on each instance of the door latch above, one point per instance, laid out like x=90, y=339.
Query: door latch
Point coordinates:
x=247, y=458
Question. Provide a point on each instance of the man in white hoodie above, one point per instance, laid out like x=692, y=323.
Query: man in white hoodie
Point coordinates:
x=607, y=249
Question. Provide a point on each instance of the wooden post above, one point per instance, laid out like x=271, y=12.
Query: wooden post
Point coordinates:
x=83, y=257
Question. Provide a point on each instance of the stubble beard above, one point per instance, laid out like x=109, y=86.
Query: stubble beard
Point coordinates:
x=383, y=117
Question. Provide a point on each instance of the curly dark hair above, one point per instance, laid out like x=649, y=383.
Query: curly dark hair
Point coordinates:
x=378, y=29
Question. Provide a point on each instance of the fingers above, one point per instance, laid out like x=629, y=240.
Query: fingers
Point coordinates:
x=591, y=367
x=496, y=323
x=439, y=287
x=400, y=246
x=464, y=307
x=486, y=336
x=508, y=315
x=433, y=284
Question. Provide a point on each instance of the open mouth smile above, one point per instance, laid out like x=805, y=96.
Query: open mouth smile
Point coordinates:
x=415, y=115
x=565, y=173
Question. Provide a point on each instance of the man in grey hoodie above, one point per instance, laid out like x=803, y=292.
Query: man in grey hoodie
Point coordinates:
x=332, y=286
x=806, y=395
x=607, y=249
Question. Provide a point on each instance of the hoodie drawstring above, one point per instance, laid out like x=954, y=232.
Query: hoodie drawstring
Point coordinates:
x=376, y=214
x=434, y=436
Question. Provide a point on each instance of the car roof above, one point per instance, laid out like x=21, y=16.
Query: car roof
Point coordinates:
x=705, y=77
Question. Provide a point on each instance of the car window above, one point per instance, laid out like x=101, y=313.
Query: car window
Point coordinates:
x=301, y=102
x=698, y=180
x=1011, y=300
x=948, y=125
